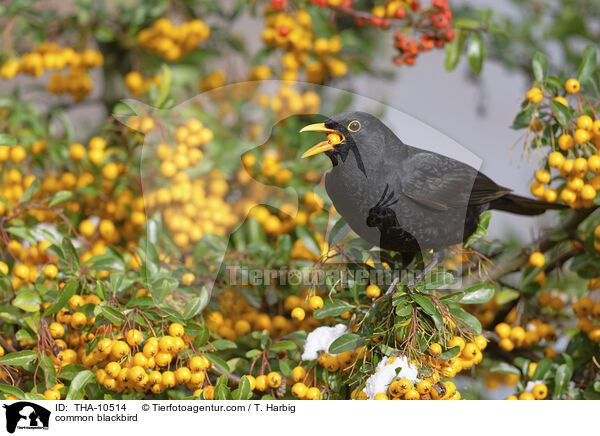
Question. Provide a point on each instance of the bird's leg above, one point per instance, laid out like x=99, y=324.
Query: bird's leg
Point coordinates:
x=438, y=256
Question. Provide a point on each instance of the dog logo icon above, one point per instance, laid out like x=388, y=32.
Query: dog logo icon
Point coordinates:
x=26, y=415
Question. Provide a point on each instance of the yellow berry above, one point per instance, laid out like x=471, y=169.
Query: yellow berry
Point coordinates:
x=373, y=291
x=537, y=259
x=298, y=314
x=572, y=86
x=315, y=302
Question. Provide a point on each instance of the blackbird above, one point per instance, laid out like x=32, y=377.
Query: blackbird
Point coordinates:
x=402, y=198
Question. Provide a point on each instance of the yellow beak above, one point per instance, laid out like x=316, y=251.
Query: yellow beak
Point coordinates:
x=323, y=145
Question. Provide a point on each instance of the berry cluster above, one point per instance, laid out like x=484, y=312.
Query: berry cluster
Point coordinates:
x=238, y=317
x=423, y=28
x=136, y=83
x=574, y=140
x=588, y=311
x=518, y=337
x=51, y=56
x=288, y=101
x=293, y=33
x=435, y=30
x=172, y=42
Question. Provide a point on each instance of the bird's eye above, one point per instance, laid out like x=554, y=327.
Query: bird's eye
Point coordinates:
x=354, y=126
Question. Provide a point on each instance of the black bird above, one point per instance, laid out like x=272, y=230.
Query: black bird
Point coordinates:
x=402, y=198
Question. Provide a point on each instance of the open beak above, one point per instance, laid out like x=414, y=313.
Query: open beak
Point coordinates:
x=323, y=145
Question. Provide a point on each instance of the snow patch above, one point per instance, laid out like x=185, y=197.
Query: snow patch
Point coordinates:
x=320, y=339
x=385, y=373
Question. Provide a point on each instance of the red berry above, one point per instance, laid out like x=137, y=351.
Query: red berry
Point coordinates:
x=427, y=43
x=400, y=12
x=450, y=34
x=322, y=3
x=410, y=60
x=278, y=4
x=376, y=21
x=415, y=6
x=405, y=44
x=360, y=21
x=284, y=30
x=441, y=4
x=440, y=21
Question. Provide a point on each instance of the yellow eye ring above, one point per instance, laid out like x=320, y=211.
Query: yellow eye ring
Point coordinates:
x=354, y=126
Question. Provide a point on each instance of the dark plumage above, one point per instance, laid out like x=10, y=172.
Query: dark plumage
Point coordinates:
x=403, y=198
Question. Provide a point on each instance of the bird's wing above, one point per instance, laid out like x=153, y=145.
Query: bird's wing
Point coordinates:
x=441, y=183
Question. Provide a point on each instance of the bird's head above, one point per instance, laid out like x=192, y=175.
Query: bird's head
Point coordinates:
x=347, y=132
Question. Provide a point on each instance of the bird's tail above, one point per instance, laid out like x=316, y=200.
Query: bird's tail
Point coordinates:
x=524, y=206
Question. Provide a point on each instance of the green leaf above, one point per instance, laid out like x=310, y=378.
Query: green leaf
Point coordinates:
x=542, y=368
x=30, y=191
x=70, y=371
x=590, y=394
x=111, y=314
x=332, y=308
x=221, y=389
x=454, y=50
x=196, y=304
x=7, y=140
x=427, y=305
x=78, y=384
x=339, y=230
x=346, y=342
x=468, y=319
x=19, y=358
x=561, y=380
x=165, y=85
x=283, y=345
x=223, y=344
x=561, y=112
x=243, y=391
x=540, y=66
x=438, y=279
x=218, y=362
x=59, y=197
x=588, y=64
x=478, y=294
x=285, y=366
x=28, y=301
x=523, y=364
x=506, y=295
x=308, y=239
x=64, y=295
x=466, y=23
x=481, y=230
x=200, y=331
x=449, y=353
x=523, y=118
x=504, y=368
x=476, y=52
x=12, y=390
